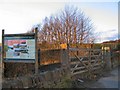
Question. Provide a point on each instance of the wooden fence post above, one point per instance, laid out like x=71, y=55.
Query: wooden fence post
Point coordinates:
x=68, y=59
x=3, y=53
x=107, y=59
x=36, y=52
x=65, y=59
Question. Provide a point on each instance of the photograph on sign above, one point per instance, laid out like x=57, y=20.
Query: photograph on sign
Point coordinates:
x=19, y=47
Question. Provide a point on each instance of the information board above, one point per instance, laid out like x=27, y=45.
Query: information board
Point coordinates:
x=19, y=47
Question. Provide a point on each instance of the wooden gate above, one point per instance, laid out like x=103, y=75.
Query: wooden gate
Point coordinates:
x=85, y=60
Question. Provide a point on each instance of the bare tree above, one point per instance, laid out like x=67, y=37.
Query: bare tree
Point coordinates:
x=70, y=26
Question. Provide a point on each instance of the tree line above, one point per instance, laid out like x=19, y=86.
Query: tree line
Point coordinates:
x=68, y=26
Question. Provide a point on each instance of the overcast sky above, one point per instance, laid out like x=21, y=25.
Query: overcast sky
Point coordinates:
x=19, y=16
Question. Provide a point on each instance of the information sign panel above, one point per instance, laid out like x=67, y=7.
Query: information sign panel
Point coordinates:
x=19, y=47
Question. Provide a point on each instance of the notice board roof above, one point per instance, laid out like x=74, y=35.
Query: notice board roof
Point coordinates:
x=15, y=35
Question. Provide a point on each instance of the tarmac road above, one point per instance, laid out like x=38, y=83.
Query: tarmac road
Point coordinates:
x=108, y=80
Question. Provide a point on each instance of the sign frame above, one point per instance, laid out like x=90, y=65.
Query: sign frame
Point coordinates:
x=14, y=36
x=35, y=61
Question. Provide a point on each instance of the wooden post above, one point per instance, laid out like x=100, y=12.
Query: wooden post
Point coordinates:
x=89, y=60
x=2, y=53
x=89, y=63
x=77, y=50
x=68, y=59
x=65, y=59
x=36, y=52
x=108, y=60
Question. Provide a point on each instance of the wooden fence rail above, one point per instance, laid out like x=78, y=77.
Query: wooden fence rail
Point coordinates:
x=90, y=60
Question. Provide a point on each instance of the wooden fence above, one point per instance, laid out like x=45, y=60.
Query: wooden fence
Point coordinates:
x=74, y=62
x=85, y=61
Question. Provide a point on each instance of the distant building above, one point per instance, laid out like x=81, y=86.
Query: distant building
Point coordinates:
x=111, y=44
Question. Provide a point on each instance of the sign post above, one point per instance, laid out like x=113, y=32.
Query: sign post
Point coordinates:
x=2, y=53
x=36, y=52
